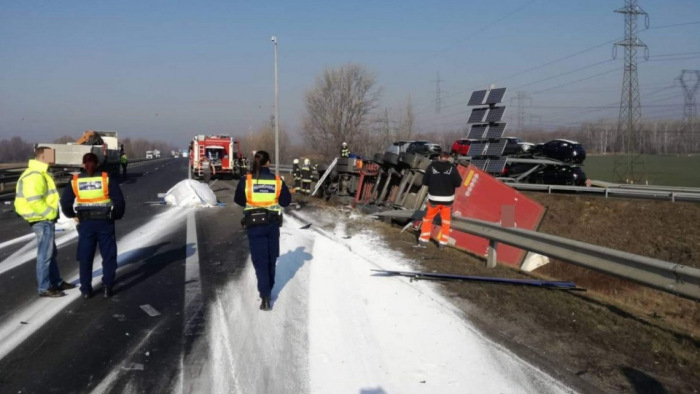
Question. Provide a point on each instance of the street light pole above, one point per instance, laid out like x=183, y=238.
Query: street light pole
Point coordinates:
x=277, y=115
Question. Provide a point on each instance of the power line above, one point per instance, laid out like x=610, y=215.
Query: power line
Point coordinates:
x=673, y=25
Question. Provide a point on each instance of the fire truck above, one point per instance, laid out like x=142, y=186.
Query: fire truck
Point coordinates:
x=222, y=153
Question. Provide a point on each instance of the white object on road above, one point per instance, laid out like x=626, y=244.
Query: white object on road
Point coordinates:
x=190, y=193
x=151, y=311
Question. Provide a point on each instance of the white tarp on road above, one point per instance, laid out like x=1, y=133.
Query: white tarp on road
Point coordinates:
x=190, y=193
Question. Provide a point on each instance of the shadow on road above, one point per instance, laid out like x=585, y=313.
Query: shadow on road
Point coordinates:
x=643, y=383
x=287, y=266
x=152, y=263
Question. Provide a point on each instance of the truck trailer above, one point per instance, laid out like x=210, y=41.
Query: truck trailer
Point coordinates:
x=69, y=157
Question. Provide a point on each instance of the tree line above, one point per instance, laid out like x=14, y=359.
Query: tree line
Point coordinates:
x=17, y=150
x=343, y=106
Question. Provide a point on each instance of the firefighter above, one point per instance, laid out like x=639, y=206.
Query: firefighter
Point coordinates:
x=206, y=169
x=98, y=203
x=296, y=173
x=306, y=177
x=263, y=194
x=344, y=150
x=36, y=202
x=442, y=178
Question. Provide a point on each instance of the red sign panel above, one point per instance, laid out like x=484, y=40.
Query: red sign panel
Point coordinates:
x=483, y=197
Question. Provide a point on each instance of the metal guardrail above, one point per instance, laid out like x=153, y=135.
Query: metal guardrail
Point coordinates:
x=10, y=176
x=662, y=275
x=649, y=192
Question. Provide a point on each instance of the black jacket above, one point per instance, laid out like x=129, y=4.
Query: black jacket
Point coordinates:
x=240, y=198
x=442, y=178
x=115, y=194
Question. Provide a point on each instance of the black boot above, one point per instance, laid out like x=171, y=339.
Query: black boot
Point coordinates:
x=265, y=304
x=108, y=292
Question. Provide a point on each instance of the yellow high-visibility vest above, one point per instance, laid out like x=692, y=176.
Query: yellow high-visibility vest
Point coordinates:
x=91, y=191
x=263, y=193
x=36, y=195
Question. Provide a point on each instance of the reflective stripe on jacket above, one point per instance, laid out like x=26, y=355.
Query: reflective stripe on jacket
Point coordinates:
x=91, y=191
x=263, y=193
x=37, y=197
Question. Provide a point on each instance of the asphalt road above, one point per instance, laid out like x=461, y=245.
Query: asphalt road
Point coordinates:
x=172, y=260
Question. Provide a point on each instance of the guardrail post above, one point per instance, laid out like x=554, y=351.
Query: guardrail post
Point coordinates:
x=673, y=197
x=491, y=256
x=2, y=187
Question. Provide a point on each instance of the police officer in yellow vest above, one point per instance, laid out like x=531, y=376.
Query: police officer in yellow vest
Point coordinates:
x=36, y=202
x=99, y=202
x=263, y=195
x=124, y=162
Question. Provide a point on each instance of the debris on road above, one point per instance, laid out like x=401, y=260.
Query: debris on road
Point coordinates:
x=414, y=275
x=151, y=311
x=190, y=193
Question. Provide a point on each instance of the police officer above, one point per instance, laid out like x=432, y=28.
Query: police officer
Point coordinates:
x=296, y=173
x=99, y=202
x=344, y=150
x=306, y=177
x=442, y=179
x=36, y=202
x=263, y=195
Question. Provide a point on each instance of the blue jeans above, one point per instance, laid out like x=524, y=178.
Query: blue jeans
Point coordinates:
x=47, y=274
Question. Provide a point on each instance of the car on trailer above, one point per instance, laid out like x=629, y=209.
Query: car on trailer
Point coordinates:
x=424, y=148
x=559, y=175
x=563, y=150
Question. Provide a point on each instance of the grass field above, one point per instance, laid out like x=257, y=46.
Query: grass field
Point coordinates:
x=666, y=170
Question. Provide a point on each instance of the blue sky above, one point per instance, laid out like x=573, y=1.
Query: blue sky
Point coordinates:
x=172, y=69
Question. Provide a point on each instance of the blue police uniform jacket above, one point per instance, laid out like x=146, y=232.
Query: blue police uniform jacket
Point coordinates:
x=115, y=194
x=240, y=198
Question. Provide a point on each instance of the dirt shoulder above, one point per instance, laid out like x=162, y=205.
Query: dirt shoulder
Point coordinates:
x=616, y=337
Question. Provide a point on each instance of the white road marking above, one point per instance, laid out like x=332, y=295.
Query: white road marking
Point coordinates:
x=11, y=242
x=191, y=366
x=28, y=252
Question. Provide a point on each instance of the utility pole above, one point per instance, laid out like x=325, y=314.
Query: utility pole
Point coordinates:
x=629, y=167
x=521, y=97
x=438, y=101
x=690, y=82
x=277, y=117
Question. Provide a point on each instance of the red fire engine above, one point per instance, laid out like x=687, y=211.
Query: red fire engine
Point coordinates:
x=221, y=153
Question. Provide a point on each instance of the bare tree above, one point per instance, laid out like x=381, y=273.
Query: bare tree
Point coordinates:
x=15, y=150
x=407, y=122
x=264, y=139
x=337, y=108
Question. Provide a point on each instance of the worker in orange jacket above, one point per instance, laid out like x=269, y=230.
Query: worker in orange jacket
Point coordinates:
x=442, y=179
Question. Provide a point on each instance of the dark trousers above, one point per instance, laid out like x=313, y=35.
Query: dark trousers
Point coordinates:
x=90, y=234
x=306, y=186
x=123, y=169
x=264, y=242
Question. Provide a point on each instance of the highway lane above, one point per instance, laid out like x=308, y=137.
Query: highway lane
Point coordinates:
x=170, y=259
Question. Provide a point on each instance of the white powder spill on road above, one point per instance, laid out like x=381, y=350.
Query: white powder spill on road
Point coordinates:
x=365, y=333
x=40, y=311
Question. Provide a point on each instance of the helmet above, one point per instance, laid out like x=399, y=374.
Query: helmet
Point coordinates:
x=296, y=161
x=307, y=162
x=345, y=144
